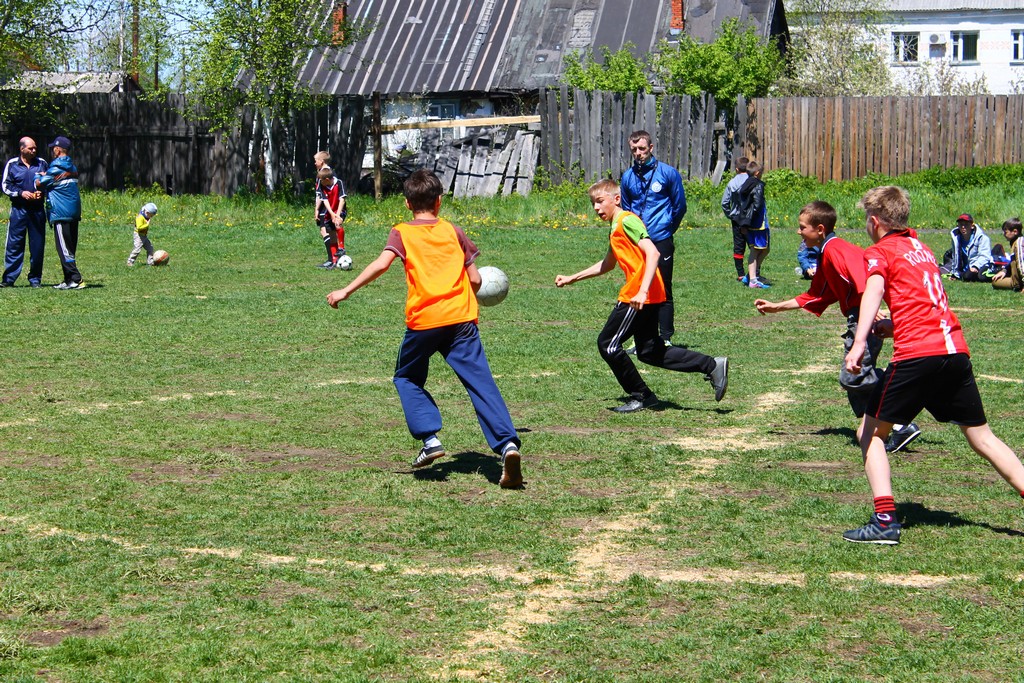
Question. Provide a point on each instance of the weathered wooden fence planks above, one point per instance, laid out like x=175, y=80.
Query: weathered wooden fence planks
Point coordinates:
x=841, y=138
x=121, y=141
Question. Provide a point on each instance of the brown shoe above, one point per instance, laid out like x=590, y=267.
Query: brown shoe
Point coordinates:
x=511, y=473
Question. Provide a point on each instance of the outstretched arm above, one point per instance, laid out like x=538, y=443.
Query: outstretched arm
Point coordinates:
x=599, y=268
x=371, y=272
x=765, y=307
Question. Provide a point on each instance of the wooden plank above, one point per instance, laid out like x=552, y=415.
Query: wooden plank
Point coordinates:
x=565, y=139
x=462, y=171
x=615, y=142
x=462, y=123
x=514, y=150
x=609, y=156
x=527, y=165
x=710, y=116
x=554, y=142
x=576, y=146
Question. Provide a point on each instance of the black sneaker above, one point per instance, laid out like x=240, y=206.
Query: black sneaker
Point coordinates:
x=35, y=285
x=326, y=264
x=511, y=472
x=6, y=284
x=873, y=532
x=428, y=455
x=900, y=438
x=631, y=350
x=634, y=404
x=719, y=377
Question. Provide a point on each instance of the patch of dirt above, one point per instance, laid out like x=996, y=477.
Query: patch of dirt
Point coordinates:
x=65, y=629
x=295, y=459
x=768, y=402
x=174, y=472
x=824, y=466
x=730, y=439
x=31, y=461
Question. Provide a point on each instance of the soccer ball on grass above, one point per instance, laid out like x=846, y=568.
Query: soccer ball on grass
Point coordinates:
x=161, y=257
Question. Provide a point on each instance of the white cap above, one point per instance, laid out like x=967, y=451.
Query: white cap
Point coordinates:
x=150, y=208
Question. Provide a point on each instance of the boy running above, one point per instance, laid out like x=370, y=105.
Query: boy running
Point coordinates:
x=840, y=278
x=639, y=304
x=441, y=317
x=931, y=366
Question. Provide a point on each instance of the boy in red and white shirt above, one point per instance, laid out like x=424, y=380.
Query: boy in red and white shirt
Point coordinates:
x=931, y=365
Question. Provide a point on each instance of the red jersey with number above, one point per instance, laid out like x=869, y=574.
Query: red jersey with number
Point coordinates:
x=923, y=324
x=840, y=277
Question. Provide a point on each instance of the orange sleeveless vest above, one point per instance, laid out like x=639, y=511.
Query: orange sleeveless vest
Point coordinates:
x=439, y=290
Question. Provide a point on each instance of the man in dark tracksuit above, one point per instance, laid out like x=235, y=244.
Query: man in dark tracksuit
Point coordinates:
x=64, y=205
x=28, y=215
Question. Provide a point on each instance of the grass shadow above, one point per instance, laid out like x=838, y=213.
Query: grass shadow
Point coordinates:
x=916, y=514
x=469, y=462
x=849, y=433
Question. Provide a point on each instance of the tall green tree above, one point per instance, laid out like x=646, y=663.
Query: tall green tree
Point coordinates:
x=737, y=62
x=615, y=72
x=251, y=53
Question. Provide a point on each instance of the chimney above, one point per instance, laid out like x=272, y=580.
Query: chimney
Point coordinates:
x=339, y=17
x=678, y=21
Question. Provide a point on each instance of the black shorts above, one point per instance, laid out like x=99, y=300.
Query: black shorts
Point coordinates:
x=942, y=385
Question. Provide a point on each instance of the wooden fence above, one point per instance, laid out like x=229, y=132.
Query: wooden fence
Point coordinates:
x=849, y=137
x=120, y=141
x=589, y=135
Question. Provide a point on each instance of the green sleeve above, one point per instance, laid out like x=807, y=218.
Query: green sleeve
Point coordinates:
x=635, y=228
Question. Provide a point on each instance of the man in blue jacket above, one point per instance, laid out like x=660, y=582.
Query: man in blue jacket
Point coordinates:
x=64, y=205
x=28, y=218
x=654, y=192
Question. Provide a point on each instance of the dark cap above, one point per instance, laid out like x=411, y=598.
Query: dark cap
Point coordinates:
x=965, y=217
x=60, y=141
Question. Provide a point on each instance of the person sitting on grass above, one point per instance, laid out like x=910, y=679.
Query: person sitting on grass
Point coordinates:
x=1012, y=275
x=930, y=367
x=441, y=317
x=840, y=279
x=972, y=251
x=807, y=259
x=638, y=307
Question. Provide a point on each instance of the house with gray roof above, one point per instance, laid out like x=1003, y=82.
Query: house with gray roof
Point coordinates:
x=505, y=49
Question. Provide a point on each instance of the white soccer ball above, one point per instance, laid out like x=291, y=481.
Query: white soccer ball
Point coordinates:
x=161, y=257
x=345, y=262
x=493, y=286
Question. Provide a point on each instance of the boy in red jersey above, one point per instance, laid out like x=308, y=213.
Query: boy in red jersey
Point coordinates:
x=331, y=195
x=931, y=365
x=636, y=312
x=840, y=278
x=441, y=317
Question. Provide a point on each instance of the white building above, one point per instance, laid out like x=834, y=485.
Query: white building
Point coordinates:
x=974, y=37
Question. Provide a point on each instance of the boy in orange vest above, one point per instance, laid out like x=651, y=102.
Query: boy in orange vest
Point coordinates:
x=636, y=312
x=441, y=317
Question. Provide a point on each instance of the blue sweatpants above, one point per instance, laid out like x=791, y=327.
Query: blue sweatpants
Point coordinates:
x=30, y=223
x=461, y=348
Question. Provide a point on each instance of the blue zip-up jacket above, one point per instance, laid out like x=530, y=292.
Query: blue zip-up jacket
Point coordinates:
x=63, y=199
x=654, y=191
x=976, y=253
x=18, y=177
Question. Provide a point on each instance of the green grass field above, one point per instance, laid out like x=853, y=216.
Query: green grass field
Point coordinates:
x=205, y=474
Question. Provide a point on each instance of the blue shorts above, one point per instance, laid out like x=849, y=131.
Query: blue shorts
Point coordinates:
x=758, y=239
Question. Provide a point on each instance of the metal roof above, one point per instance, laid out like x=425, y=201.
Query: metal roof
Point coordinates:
x=446, y=46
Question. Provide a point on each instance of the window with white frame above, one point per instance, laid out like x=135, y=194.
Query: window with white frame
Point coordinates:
x=1017, y=42
x=965, y=46
x=904, y=47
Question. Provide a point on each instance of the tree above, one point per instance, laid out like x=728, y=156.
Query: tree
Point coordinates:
x=39, y=34
x=735, y=63
x=615, y=72
x=837, y=48
x=251, y=52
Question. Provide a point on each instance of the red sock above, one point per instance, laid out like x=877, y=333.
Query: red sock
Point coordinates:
x=1022, y=494
x=341, y=238
x=333, y=249
x=885, y=510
